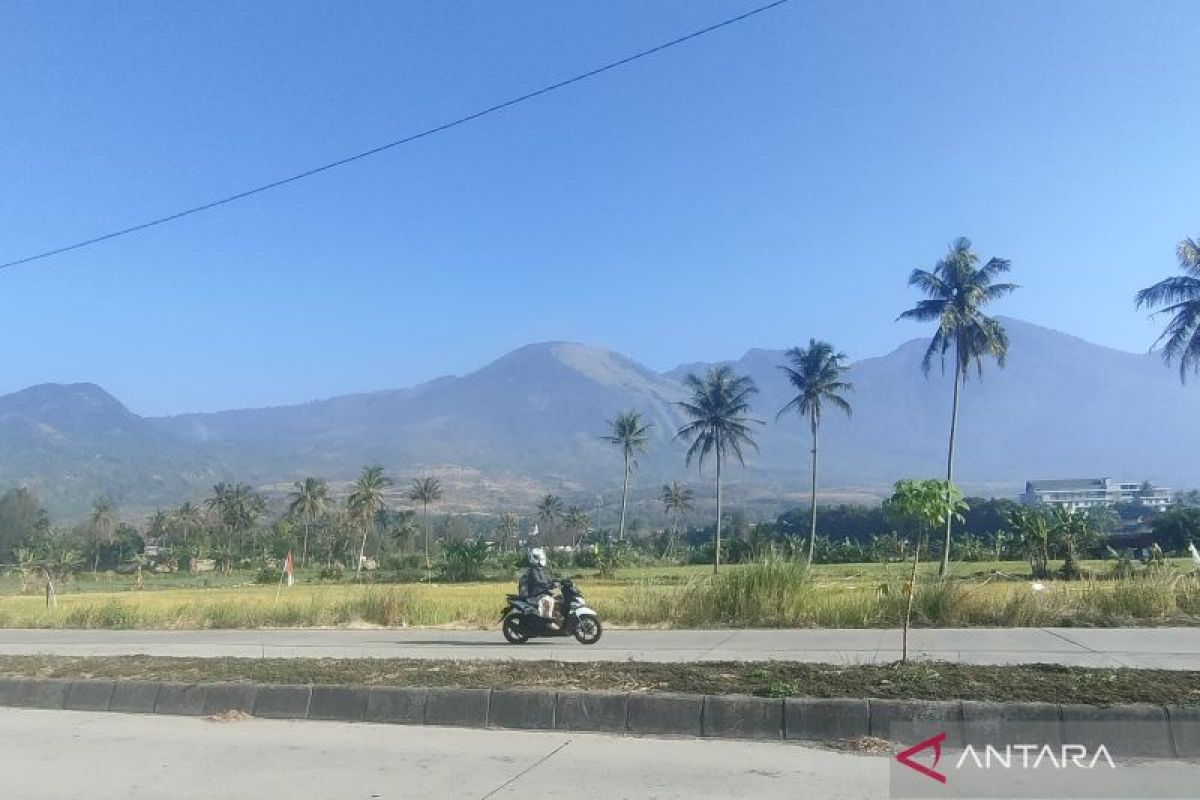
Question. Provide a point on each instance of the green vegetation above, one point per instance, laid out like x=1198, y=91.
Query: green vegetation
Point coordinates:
x=929, y=503
x=912, y=681
x=773, y=592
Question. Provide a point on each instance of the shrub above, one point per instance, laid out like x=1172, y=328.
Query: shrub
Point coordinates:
x=333, y=572
x=267, y=575
x=769, y=592
x=403, y=562
x=611, y=557
x=464, y=561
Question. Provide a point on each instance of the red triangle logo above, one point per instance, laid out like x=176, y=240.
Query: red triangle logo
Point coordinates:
x=934, y=742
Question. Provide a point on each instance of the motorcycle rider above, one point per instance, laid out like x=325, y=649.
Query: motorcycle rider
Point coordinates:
x=537, y=582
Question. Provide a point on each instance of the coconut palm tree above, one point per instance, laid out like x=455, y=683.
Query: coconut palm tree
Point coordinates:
x=719, y=425
x=237, y=507
x=956, y=292
x=627, y=432
x=187, y=518
x=307, y=503
x=549, y=510
x=364, y=504
x=1180, y=297
x=425, y=490
x=677, y=500
x=102, y=523
x=815, y=373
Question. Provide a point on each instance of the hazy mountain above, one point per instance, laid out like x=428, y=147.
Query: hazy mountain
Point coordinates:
x=531, y=422
x=72, y=442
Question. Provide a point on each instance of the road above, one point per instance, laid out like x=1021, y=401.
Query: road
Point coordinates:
x=1162, y=648
x=59, y=755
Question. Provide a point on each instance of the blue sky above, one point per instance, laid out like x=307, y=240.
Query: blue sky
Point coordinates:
x=771, y=182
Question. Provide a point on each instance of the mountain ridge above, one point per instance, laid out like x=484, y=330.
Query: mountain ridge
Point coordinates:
x=531, y=422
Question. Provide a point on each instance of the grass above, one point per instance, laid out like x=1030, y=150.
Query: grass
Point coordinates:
x=915, y=680
x=767, y=594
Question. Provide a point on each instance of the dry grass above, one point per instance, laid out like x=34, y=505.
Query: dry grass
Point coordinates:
x=914, y=680
x=770, y=594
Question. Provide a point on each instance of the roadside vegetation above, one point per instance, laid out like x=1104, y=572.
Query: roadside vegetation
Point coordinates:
x=915, y=681
x=773, y=592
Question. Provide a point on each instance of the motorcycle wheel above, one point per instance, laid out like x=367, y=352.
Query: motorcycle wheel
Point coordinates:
x=513, y=630
x=588, y=629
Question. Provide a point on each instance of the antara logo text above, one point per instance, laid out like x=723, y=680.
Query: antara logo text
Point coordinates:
x=1013, y=756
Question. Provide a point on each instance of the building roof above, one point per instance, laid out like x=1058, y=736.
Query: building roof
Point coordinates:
x=1067, y=485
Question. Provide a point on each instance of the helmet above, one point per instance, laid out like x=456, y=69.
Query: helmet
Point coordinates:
x=537, y=557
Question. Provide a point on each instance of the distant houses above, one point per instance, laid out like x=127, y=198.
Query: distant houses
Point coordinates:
x=1075, y=494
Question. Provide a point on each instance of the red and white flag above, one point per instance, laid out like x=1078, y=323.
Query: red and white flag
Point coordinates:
x=289, y=569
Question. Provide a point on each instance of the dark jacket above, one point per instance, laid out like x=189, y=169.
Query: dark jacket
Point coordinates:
x=536, y=580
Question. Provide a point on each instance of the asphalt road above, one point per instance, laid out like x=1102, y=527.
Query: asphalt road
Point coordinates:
x=1164, y=648
x=59, y=755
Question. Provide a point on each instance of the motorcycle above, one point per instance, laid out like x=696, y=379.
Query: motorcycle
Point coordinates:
x=521, y=622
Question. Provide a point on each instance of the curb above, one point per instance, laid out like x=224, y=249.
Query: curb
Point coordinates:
x=1176, y=729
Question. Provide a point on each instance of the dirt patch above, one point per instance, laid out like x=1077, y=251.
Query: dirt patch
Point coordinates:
x=920, y=680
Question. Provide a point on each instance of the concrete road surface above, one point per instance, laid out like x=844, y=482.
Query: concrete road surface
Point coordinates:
x=1166, y=648
x=60, y=755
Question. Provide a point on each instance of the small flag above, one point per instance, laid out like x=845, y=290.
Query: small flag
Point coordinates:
x=289, y=569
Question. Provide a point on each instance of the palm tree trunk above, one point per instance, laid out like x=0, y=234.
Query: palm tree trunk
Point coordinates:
x=812, y=533
x=624, y=492
x=362, y=552
x=717, y=549
x=428, y=564
x=945, y=567
x=304, y=552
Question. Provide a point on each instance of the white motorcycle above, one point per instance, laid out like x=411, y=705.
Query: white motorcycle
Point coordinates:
x=521, y=622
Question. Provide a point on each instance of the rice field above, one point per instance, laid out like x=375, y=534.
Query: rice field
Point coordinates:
x=771, y=594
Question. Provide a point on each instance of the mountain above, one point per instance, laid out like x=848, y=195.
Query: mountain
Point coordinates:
x=531, y=422
x=1060, y=407
x=72, y=442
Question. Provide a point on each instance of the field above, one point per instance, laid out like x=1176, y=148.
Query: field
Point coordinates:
x=770, y=594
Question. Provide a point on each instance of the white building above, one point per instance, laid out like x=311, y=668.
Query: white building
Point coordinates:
x=1081, y=493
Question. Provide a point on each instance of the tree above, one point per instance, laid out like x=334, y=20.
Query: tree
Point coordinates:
x=1179, y=296
x=102, y=523
x=364, y=504
x=238, y=509
x=425, y=490
x=577, y=522
x=627, y=432
x=956, y=292
x=930, y=504
x=22, y=518
x=187, y=518
x=815, y=373
x=1034, y=531
x=507, y=528
x=307, y=503
x=676, y=500
x=1177, y=528
x=549, y=510
x=719, y=425
x=1072, y=533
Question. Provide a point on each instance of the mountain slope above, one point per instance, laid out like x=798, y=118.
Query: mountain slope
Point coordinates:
x=531, y=422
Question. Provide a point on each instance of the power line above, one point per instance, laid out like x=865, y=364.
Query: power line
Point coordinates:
x=398, y=142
